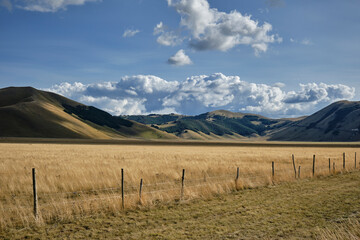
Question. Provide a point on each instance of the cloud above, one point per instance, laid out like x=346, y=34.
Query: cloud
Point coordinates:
x=6, y=4
x=211, y=29
x=166, y=38
x=305, y=41
x=279, y=85
x=264, y=10
x=49, y=5
x=144, y=94
x=180, y=59
x=130, y=106
x=131, y=95
x=313, y=92
x=159, y=28
x=130, y=33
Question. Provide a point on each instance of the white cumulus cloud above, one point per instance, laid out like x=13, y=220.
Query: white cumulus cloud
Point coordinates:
x=130, y=33
x=49, y=5
x=143, y=94
x=130, y=95
x=212, y=29
x=180, y=59
x=165, y=37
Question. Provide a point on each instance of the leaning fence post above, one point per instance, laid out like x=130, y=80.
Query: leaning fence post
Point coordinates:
x=293, y=160
x=140, y=190
x=272, y=171
x=299, y=172
x=343, y=161
x=122, y=189
x=313, y=170
x=237, y=178
x=35, y=194
x=182, y=184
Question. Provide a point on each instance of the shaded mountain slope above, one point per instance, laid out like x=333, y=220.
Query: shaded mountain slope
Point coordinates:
x=339, y=121
x=213, y=125
x=27, y=112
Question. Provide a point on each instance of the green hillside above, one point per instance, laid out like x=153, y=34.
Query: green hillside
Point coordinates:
x=219, y=123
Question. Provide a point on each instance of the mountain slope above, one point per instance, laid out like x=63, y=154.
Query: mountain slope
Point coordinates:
x=339, y=121
x=27, y=112
x=213, y=125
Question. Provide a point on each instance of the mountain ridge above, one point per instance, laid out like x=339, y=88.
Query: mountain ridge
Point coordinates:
x=213, y=125
x=28, y=112
x=340, y=121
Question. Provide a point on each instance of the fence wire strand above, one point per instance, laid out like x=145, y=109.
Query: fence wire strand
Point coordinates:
x=50, y=199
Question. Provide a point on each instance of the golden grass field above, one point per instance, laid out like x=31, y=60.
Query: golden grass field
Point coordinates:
x=80, y=180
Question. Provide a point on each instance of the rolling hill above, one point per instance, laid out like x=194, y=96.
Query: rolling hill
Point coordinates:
x=28, y=112
x=337, y=122
x=219, y=124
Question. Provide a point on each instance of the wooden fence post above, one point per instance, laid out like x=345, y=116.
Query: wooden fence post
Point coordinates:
x=329, y=166
x=140, y=190
x=237, y=178
x=35, y=194
x=299, y=172
x=273, y=171
x=355, y=160
x=182, y=184
x=122, y=189
x=343, y=161
x=313, y=170
x=293, y=160
x=334, y=167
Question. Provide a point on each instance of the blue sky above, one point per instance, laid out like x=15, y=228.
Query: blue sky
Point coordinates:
x=279, y=58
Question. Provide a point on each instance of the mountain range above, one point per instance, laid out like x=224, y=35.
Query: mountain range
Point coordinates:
x=218, y=124
x=28, y=112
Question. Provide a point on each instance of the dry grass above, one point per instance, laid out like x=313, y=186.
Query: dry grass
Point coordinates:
x=295, y=210
x=77, y=179
x=348, y=230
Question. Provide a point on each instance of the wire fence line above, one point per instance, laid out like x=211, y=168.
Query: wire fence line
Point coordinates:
x=210, y=180
x=111, y=196
x=227, y=177
x=213, y=179
x=48, y=200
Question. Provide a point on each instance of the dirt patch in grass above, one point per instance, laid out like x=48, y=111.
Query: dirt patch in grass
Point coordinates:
x=297, y=210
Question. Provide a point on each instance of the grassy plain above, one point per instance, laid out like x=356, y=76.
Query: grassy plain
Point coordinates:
x=322, y=208
x=79, y=180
